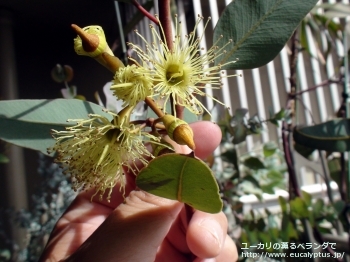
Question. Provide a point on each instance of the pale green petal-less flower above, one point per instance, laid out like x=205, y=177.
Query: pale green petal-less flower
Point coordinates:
x=132, y=84
x=95, y=152
x=182, y=73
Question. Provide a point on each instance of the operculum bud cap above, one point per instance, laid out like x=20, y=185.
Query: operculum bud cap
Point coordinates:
x=179, y=131
x=91, y=41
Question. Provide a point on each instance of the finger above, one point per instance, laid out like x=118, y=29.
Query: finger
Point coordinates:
x=133, y=231
x=207, y=137
x=228, y=253
x=206, y=234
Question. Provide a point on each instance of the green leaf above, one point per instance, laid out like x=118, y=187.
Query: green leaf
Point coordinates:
x=318, y=207
x=239, y=134
x=255, y=124
x=274, y=121
x=239, y=114
x=333, y=135
x=247, y=187
x=332, y=26
x=270, y=148
x=182, y=178
x=303, y=150
x=339, y=206
x=288, y=231
x=275, y=175
x=274, y=233
x=303, y=37
x=269, y=188
x=298, y=208
x=27, y=123
x=283, y=204
x=252, y=180
x=3, y=159
x=238, y=128
x=230, y=156
x=280, y=114
x=324, y=230
x=254, y=163
x=306, y=197
x=259, y=29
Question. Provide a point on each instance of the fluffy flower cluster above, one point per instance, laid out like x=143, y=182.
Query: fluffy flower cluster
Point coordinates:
x=95, y=151
x=132, y=84
x=183, y=72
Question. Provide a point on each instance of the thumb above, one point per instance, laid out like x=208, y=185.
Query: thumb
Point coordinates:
x=132, y=232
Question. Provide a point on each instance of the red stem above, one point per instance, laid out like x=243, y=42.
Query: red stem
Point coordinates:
x=324, y=83
x=165, y=21
x=145, y=12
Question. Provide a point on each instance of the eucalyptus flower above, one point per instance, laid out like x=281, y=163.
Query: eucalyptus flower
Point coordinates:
x=183, y=72
x=132, y=84
x=95, y=151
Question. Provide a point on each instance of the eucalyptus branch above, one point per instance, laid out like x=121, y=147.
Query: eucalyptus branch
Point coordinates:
x=322, y=84
x=165, y=21
x=290, y=164
x=343, y=187
x=286, y=127
x=144, y=12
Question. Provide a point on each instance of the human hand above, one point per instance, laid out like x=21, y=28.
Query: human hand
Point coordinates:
x=144, y=227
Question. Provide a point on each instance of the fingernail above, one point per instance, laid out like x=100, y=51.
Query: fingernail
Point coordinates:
x=214, y=229
x=207, y=260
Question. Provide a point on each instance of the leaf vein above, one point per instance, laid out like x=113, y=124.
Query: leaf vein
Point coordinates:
x=249, y=32
x=179, y=188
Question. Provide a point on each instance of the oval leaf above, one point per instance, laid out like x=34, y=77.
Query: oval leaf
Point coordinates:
x=259, y=29
x=183, y=178
x=333, y=135
x=27, y=123
x=269, y=148
x=254, y=163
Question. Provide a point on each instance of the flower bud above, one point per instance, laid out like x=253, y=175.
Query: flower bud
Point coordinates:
x=91, y=41
x=179, y=131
